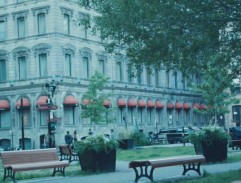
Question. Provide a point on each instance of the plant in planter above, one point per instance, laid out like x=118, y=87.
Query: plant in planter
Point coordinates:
x=97, y=153
x=126, y=139
x=211, y=141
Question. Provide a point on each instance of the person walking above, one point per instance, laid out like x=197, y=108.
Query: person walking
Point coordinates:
x=68, y=138
x=76, y=136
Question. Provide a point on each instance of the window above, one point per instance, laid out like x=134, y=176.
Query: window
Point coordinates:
x=157, y=80
x=21, y=27
x=43, y=68
x=26, y=118
x=66, y=24
x=22, y=67
x=167, y=79
x=183, y=82
x=151, y=114
x=5, y=119
x=3, y=70
x=41, y=23
x=86, y=67
x=2, y=30
x=186, y=116
x=102, y=67
x=130, y=74
x=118, y=71
x=148, y=76
x=139, y=80
x=236, y=111
x=178, y=116
x=175, y=80
x=69, y=113
x=43, y=117
x=67, y=65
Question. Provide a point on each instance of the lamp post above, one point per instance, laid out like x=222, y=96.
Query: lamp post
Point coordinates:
x=51, y=87
x=22, y=120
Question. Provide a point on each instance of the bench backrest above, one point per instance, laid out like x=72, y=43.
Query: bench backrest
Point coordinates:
x=64, y=149
x=178, y=160
x=29, y=156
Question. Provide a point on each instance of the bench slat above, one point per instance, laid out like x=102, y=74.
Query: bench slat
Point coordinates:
x=40, y=165
x=176, y=161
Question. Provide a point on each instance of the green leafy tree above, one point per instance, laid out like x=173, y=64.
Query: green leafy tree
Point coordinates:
x=171, y=33
x=214, y=90
x=95, y=110
x=201, y=36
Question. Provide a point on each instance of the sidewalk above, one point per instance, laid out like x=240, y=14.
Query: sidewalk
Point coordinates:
x=123, y=174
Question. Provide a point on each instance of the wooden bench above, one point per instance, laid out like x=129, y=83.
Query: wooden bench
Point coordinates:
x=235, y=144
x=66, y=153
x=16, y=161
x=145, y=168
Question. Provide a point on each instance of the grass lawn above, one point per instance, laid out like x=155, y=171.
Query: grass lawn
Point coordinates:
x=155, y=152
x=140, y=153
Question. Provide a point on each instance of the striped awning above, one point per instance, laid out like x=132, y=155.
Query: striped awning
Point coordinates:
x=70, y=100
x=26, y=103
x=4, y=105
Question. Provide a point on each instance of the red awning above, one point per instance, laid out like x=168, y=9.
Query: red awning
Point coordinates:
x=202, y=107
x=195, y=105
x=159, y=104
x=70, y=100
x=121, y=102
x=170, y=105
x=178, y=105
x=26, y=103
x=186, y=106
x=42, y=100
x=85, y=102
x=131, y=103
x=150, y=104
x=4, y=104
x=141, y=103
x=107, y=103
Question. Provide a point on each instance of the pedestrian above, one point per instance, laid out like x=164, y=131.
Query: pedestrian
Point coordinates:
x=68, y=138
x=90, y=132
x=76, y=136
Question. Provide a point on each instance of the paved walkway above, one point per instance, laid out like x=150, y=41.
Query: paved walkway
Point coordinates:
x=123, y=174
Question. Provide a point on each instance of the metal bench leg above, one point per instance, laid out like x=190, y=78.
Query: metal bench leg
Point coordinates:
x=8, y=173
x=143, y=173
x=193, y=167
x=59, y=169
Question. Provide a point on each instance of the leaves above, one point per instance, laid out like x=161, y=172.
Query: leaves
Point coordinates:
x=181, y=35
x=95, y=110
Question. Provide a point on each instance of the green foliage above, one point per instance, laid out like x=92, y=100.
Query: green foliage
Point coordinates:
x=214, y=88
x=95, y=143
x=140, y=139
x=208, y=135
x=95, y=110
x=174, y=34
x=125, y=134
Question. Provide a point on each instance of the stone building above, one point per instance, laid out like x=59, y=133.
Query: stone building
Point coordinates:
x=41, y=45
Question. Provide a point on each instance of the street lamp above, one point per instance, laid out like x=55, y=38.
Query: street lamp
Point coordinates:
x=22, y=119
x=51, y=87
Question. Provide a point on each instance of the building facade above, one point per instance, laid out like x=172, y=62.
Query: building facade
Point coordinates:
x=42, y=45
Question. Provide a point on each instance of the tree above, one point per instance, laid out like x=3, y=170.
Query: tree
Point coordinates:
x=95, y=110
x=201, y=36
x=175, y=34
x=214, y=90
